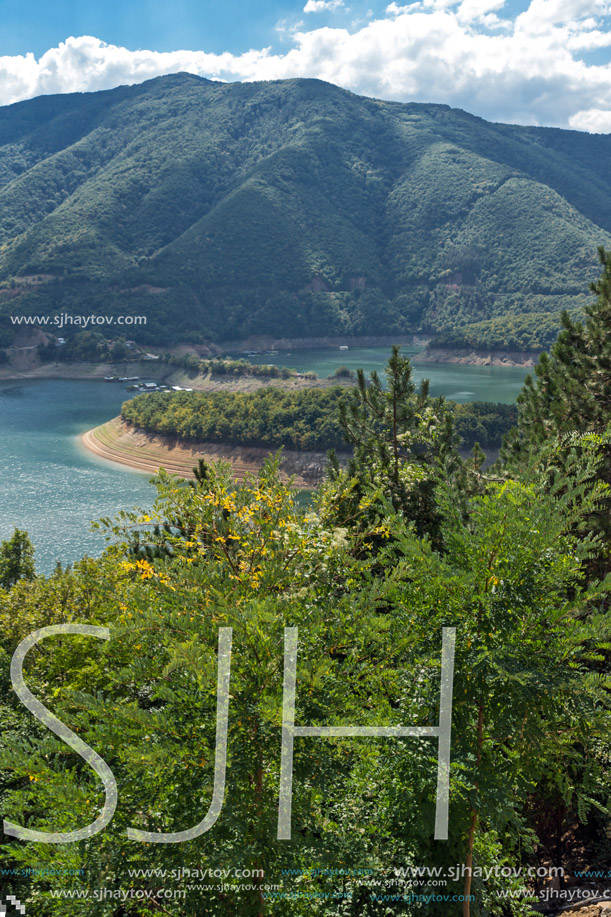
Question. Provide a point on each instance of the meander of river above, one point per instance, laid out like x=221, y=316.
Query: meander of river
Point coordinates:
x=52, y=487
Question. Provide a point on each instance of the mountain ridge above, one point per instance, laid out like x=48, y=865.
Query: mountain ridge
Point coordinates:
x=294, y=207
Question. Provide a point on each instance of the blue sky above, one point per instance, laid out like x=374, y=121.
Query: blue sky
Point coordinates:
x=227, y=25
x=532, y=62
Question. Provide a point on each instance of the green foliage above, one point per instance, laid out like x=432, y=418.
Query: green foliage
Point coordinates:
x=407, y=540
x=512, y=578
x=210, y=555
x=303, y=419
x=571, y=386
x=16, y=559
x=343, y=372
x=530, y=331
x=484, y=422
x=86, y=346
x=295, y=208
x=220, y=367
x=570, y=389
x=404, y=442
x=299, y=419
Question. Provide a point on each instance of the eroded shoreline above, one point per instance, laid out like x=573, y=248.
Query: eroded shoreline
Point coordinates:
x=471, y=357
x=119, y=442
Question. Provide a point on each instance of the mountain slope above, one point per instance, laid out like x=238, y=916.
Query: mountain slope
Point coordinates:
x=293, y=207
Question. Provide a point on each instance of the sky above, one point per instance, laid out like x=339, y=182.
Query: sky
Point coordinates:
x=543, y=62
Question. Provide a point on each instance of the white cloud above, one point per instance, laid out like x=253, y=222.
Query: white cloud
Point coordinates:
x=86, y=64
x=594, y=120
x=466, y=53
x=477, y=9
x=320, y=6
x=542, y=15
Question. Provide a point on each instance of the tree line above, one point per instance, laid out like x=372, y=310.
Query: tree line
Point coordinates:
x=305, y=419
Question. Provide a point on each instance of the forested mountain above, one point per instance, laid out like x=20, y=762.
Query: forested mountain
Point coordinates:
x=294, y=207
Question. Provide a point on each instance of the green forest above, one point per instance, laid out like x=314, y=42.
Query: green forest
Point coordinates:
x=306, y=419
x=294, y=208
x=159, y=757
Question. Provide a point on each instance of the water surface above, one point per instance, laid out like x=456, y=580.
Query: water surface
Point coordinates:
x=53, y=487
x=49, y=484
x=457, y=381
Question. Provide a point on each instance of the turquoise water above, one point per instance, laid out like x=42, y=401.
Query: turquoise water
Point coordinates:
x=456, y=381
x=53, y=487
x=50, y=485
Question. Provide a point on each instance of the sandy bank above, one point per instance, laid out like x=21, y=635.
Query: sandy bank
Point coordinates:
x=119, y=442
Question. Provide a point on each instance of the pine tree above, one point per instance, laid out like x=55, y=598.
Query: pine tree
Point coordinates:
x=404, y=443
x=16, y=559
x=571, y=389
x=571, y=394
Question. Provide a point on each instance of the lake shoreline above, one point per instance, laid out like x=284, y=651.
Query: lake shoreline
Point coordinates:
x=266, y=342
x=27, y=368
x=162, y=372
x=470, y=357
x=119, y=442
x=429, y=354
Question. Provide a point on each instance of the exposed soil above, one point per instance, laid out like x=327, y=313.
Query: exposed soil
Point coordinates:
x=587, y=910
x=480, y=358
x=25, y=365
x=118, y=441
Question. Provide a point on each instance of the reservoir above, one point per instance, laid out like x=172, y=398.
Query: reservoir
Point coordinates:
x=457, y=381
x=52, y=487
